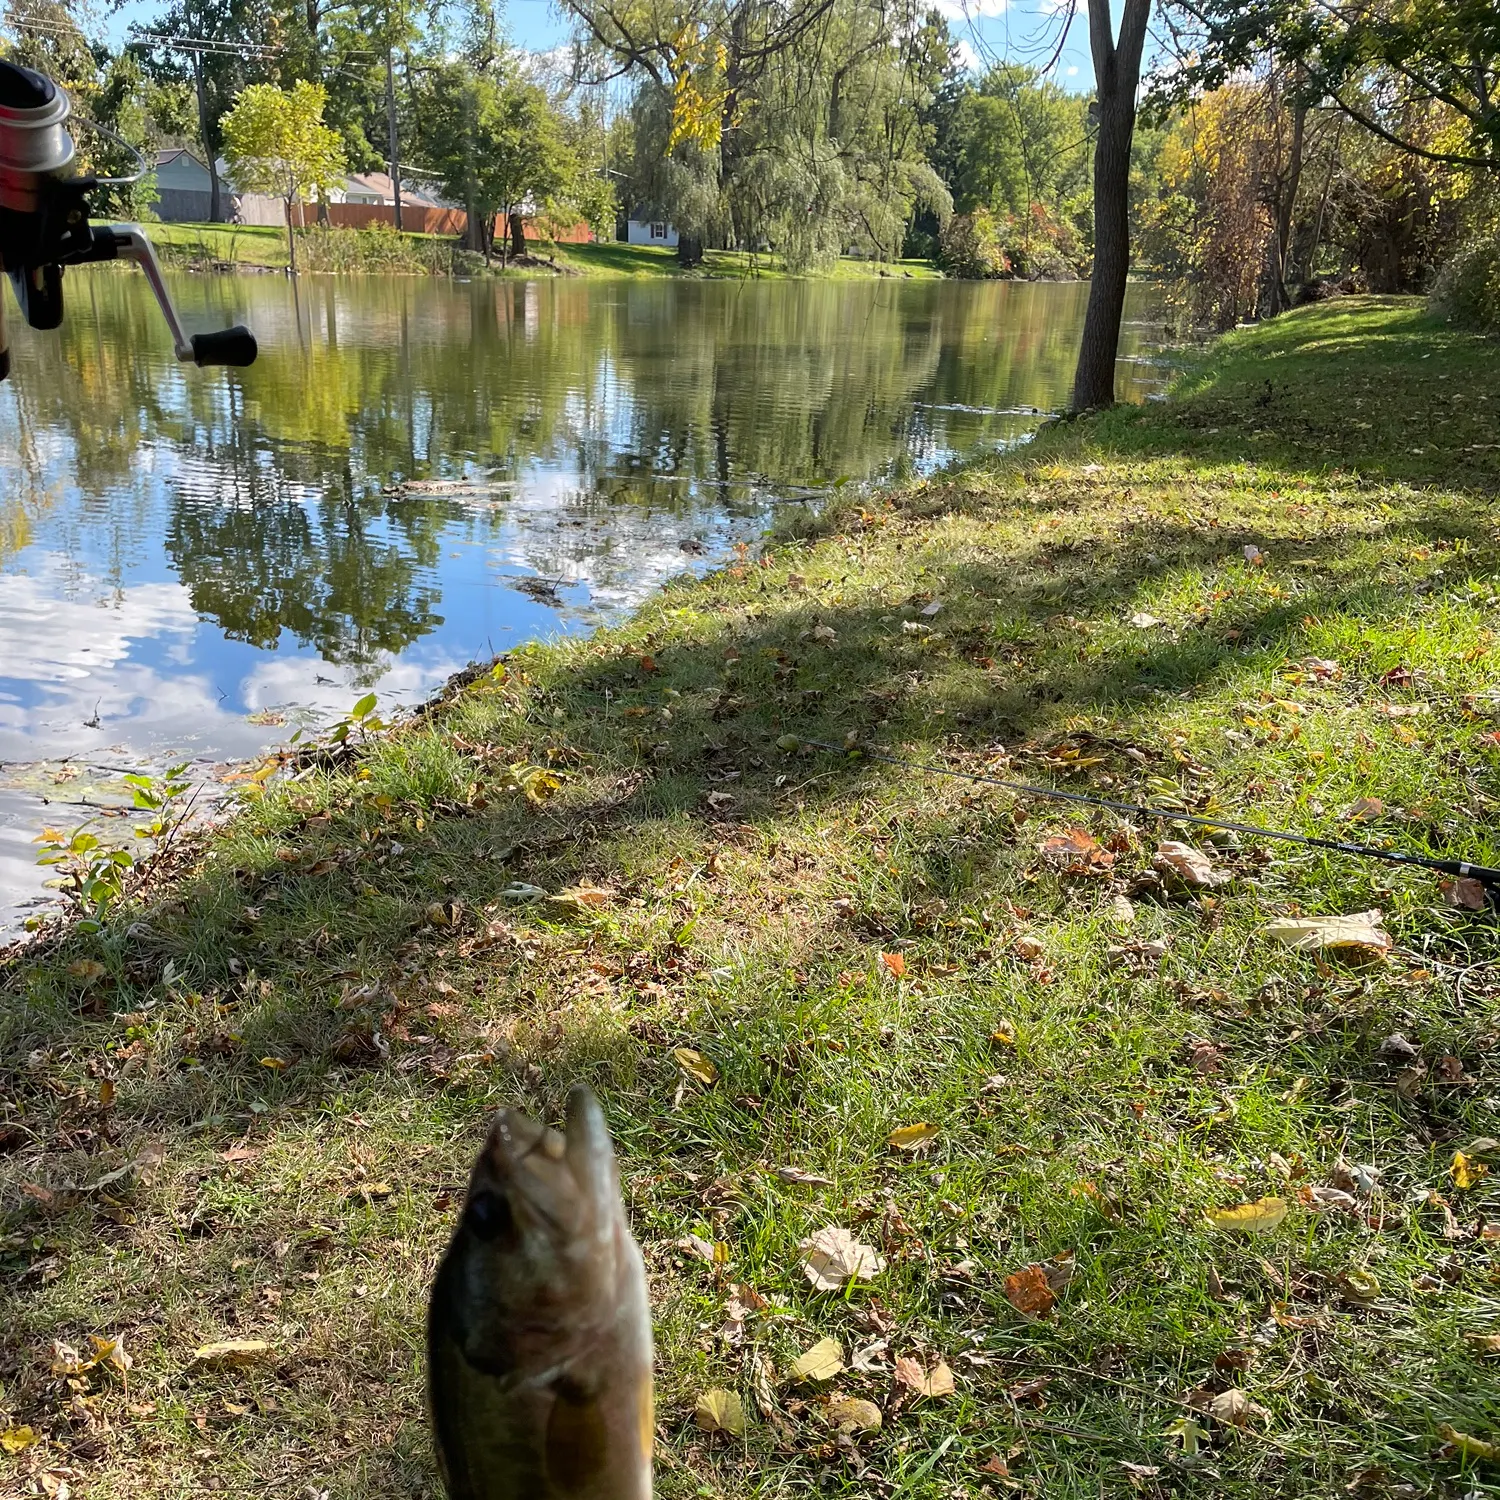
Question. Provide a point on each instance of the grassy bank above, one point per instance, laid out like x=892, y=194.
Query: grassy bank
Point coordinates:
x=246, y=1111
x=258, y=247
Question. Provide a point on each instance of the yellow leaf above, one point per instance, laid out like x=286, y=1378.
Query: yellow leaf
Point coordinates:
x=1466, y=1446
x=1483, y=1343
x=852, y=1414
x=234, y=1354
x=696, y=1065
x=719, y=1410
x=89, y=970
x=109, y=1352
x=276, y=1064
x=1252, y=1218
x=833, y=1257
x=910, y=1137
x=1360, y=934
x=822, y=1362
x=19, y=1439
x=1465, y=1171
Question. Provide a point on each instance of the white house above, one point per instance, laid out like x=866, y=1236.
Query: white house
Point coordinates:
x=185, y=190
x=376, y=188
x=650, y=232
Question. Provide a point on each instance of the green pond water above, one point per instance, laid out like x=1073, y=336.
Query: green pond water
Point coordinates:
x=416, y=474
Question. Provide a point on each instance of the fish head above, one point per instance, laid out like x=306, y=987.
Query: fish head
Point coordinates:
x=538, y=1250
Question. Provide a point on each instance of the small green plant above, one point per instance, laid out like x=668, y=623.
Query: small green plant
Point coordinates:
x=361, y=717
x=95, y=876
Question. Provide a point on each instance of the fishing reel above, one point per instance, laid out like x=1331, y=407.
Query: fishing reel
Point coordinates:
x=44, y=222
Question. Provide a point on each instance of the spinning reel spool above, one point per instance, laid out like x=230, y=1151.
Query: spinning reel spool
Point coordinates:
x=44, y=222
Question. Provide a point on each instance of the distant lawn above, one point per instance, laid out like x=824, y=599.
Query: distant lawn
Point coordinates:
x=264, y=245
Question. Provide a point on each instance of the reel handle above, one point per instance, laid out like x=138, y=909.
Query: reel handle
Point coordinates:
x=232, y=346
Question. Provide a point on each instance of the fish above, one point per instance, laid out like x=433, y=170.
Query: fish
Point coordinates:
x=539, y=1355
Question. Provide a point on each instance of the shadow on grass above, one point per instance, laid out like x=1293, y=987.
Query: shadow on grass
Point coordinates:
x=306, y=973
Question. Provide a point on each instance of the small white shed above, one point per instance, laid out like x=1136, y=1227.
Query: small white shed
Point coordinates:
x=650, y=232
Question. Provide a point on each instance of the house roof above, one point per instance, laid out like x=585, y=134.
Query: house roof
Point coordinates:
x=380, y=183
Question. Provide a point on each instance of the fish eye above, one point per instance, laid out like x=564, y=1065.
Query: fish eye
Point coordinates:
x=488, y=1215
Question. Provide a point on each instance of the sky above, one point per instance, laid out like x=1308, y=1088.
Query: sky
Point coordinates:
x=988, y=31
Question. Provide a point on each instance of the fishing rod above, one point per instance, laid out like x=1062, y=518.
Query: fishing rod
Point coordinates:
x=45, y=226
x=1488, y=877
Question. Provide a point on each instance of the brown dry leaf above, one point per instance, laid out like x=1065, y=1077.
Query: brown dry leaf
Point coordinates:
x=87, y=970
x=1077, y=852
x=234, y=1354
x=1059, y=1270
x=110, y=1352
x=833, y=1257
x=805, y=1179
x=1359, y=935
x=1467, y=894
x=1030, y=1292
x=1465, y=1171
x=719, y=1410
x=1251, y=1218
x=1236, y=1407
x=1186, y=866
x=896, y=963
x=1142, y=621
x=1366, y=810
x=936, y=1382
x=696, y=1065
x=19, y=1439
x=647, y=663
x=583, y=898
x=822, y=1362
x=1466, y=1446
x=912, y=1137
x=1483, y=1343
x=995, y=1465
x=853, y=1415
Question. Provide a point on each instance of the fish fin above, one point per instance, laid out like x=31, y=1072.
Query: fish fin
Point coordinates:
x=577, y=1438
x=590, y=1154
x=647, y=1422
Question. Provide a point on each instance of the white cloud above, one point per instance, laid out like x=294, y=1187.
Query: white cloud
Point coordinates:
x=970, y=10
x=967, y=56
x=1072, y=73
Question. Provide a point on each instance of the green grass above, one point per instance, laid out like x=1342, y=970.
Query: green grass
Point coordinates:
x=204, y=245
x=300, y=1037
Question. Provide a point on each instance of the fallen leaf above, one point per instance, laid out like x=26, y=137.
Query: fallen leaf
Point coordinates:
x=1396, y=1050
x=698, y=1247
x=1121, y=910
x=110, y=1352
x=912, y=1137
x=234, y=1354
x=519, y=893
x=936, y=1382
x=1483, y=1343
x=824, y=634
x=19, y=1439
x=1465, y=1171
x=1030, y=1292
x=1187, y=866
x=853, y=1415
x=806, y=1179
x=87, y=970
x=1235, y=1407
x=1360, y=934
x=1077, y=852
x=1252, y=554
x=822, y=1362
x=896, y=963
x=1366, y=810
x=1359, y=1286
x=1142, y=621
x=1189, y=1432
x=1466, y=1446
x=1251, y=1218
x=696, y=1065
x=719, y=1410
x=647, y=663
x=995, y=1465
x=1467, y=894
x=276, y=1064
x=833, y=1257
x=583, y=897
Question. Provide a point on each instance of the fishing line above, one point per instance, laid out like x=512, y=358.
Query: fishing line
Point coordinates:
x=1487, y=876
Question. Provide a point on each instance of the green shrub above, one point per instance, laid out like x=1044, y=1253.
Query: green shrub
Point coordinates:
x=970, y=247
x=1467, y=291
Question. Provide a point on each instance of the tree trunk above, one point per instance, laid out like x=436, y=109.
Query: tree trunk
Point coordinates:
x=1287, y=206
x=689, y=251
x=291, y=239
x=517, y=226
x=1117, y=75
x=215, y=206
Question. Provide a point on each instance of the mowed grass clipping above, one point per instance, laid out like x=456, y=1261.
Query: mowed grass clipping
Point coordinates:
x=246, y=1110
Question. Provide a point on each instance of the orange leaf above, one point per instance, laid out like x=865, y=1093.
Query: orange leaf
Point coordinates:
x=1029, y=1292
x=896, y=963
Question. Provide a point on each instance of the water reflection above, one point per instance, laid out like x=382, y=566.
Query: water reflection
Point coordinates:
x=181, y=550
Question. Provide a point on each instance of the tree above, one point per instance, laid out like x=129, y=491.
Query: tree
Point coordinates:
x=276, y=143
x=1117, y=76
x=498, y=143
